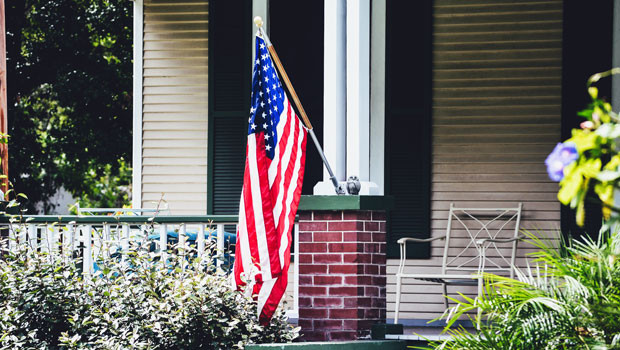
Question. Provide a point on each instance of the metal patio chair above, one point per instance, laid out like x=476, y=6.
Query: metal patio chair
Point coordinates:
x=490, y=242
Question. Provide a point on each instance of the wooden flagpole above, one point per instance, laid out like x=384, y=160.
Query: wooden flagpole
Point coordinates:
x=289, y=86
x=4, y=148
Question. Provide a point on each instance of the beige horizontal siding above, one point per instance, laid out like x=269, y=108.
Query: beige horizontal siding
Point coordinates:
x=174, y=124
x=496, y=115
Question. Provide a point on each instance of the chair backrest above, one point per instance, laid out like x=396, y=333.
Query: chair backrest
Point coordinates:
x=467, y=226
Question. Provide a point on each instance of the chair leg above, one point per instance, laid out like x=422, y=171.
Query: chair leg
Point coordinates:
x=398, y=287
x=445, y=295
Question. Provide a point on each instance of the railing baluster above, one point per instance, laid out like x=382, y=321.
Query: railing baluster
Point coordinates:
x=53, y=236
x=32, y=236
x=107, y=240
x=125, y=238
x=87, y=262
x=220, y=244
x=11, y=237
x=67, y=242
x=23, y=235
x=182, y=238
x=45, y=239
x=163, y=241
x=200, y=239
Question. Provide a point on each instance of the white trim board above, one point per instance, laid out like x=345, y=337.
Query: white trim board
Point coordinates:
x=138, y=35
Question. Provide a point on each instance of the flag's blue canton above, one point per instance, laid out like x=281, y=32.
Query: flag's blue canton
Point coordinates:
x=267, y=99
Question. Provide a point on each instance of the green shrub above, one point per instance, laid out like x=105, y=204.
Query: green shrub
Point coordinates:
x=570, y=301
x=138, y=303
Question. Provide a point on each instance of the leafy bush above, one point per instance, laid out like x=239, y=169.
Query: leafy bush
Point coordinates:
x=590, y=159
x=572, y=301
x=136, y=303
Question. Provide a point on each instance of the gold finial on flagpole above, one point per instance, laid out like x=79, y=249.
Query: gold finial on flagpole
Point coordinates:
x=258, y=21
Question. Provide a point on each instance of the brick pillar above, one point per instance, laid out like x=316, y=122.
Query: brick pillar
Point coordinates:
x=341, y=273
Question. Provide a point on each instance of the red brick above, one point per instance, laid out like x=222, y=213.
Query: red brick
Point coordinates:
x=309, y=269
x=345, y=226
x=305, y=258
x=312, y=247
x=312, y=226
x=346, y=269
x=371, y=247
x=306, y=290
x=378, y=259
x=328, y=215
x=357, y=302
x=371, y=291
x=382, y=313
x=314, y=336
x=346, y=313
x=327, y=258
x=328, y=280
x=378, y=216
x=357, y=324
x=378, y=281
x=357, y=258
x=303, y=302
x=379, y=237
x=371, y=226
x=371, y=313
x=357, y=236
x=312, y=313
x=305, y=324
x=346, y=291
x=382, y=269
x=371, y=269
x=328, y=236
x=358, y=215
x=345, y=247
x=358, y=280
x=327, y=324
x=305, y=237
x=304, y=215
x=305, y=281
x=382, y=227
x=328, y=302
x=378, y=303
x=382, y=248
x=343, y=335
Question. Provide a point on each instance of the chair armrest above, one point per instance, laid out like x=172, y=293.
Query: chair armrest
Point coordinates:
x=499, y=240
x=418, y=240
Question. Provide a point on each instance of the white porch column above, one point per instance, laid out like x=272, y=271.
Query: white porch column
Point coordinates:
x=358, y=93
x=377, y=95
x=334, y=94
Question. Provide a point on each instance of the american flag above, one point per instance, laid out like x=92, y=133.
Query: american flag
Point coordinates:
x=274, y=171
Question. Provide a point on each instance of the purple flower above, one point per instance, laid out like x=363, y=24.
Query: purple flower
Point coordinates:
x=563, y=154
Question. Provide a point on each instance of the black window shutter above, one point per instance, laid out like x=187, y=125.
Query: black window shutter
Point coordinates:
x=585, y=25
x=230, y=40
x=408, y=123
